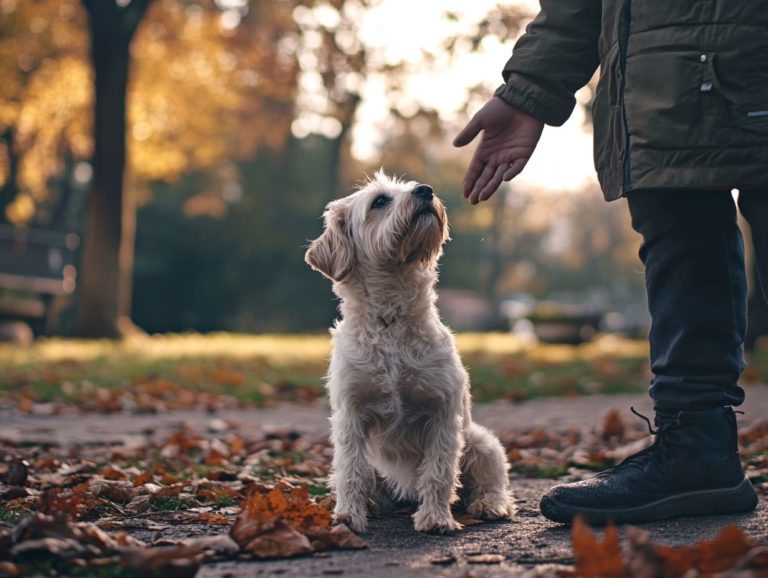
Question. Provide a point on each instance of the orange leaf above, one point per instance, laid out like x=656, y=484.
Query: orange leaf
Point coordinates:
x=237, y=445
x=613, y=425
x=595, y=559
x=213, y=518
x=269, y=540
x=719, y=555
x=336, y=537
x=142, y=479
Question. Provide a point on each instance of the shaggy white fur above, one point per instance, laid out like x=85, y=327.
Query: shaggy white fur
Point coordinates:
x=401, y=422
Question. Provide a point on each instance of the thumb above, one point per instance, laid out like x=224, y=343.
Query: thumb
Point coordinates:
x=468, y=133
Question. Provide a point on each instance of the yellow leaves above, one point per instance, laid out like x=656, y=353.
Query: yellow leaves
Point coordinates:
x=21, y=210
x=197, y=94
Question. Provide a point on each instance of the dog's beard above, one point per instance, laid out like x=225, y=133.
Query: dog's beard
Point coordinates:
x=424, y=235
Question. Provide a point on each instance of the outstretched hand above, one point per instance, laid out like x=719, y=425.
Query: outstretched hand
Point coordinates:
x=509, y=139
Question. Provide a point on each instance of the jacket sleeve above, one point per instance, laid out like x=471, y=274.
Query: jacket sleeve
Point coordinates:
x=555, y=57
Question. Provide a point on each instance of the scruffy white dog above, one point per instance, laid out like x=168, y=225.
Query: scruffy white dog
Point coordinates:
x=401, y=425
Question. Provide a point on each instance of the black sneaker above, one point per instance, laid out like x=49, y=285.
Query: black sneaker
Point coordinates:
x=691, y=469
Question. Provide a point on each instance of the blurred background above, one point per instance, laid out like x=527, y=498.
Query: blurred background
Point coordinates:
x=163, y=164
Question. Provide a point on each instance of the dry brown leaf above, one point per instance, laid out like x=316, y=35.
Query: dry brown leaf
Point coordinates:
x=169, y=491
x=595, y=559
x=138, y=504
x=468, y=520
x=212, y=518
x=338, y=537
x=142, y=479
x=236, y=446
x=719, y=555
x=613, y=426
x=182, y=561
x=45, y=536
x=273, y=539
x=116, y=491
x=18, y=471
x=113, y=473
x=281, y=521
x=75, y=502
x=208, y=493
x=286, y=502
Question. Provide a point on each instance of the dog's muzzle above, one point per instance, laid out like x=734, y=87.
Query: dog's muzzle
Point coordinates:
x=424, y=196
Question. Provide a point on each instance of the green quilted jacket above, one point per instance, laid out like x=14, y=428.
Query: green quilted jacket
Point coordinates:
x=682, y=101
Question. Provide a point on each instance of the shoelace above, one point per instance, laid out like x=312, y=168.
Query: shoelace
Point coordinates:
x=652, y=431
x=658, y=445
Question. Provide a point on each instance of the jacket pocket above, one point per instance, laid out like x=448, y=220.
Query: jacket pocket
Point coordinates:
x=662, y=96
x=743, y=85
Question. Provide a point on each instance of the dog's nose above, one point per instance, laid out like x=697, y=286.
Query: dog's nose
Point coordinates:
x=423, y=192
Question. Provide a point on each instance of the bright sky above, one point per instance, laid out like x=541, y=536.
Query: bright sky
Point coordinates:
x=400, y=29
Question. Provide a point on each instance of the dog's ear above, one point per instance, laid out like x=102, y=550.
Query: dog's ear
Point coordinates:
x=332, y=252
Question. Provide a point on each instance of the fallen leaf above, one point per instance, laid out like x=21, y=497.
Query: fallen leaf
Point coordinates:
x=182, y=561
x=338, y=537
x=142, y=479
x=275, y=539
x=613, y=426
x=595, y=559
x=138, y=504
x=468, y=520
x=18, y=471
x=212, y=518
x=76, y=502
x=719, y=555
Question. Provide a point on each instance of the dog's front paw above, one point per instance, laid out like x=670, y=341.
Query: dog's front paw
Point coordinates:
x=355, y=520
x=492, y=507
x=435, y=522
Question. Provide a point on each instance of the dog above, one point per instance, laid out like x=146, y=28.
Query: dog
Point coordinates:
x=401, y=424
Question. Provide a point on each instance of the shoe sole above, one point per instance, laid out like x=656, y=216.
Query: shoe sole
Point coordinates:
x=741, y=498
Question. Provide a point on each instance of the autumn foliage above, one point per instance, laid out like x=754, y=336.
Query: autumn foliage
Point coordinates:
x=730, y=552
x=283, y=521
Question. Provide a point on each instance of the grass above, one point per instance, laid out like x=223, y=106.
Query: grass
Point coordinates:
x=11, y=516
x=255, y=369
x=262, y=368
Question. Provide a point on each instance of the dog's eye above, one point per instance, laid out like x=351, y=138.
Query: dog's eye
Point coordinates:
x=380, y=201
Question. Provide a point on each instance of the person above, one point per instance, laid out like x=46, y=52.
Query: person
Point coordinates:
x=680, y=119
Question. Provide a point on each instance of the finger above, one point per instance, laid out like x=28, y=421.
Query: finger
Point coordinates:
x=493, y=184
x=515, y=169
x=468, y=133
x=482, y=180
x=474, y=171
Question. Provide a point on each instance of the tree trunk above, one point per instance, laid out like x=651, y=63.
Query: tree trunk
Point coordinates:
x=340, y=152
x=106, y=262
x=10, y=188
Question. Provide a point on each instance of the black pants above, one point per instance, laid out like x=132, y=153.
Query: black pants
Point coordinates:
x=693, y=254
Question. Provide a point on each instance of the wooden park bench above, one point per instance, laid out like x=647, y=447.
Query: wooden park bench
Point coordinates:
x=37, y=273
